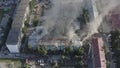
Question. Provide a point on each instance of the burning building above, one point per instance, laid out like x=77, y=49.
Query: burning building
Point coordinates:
x=42, y=38
x=60, y=23
x=59, y=26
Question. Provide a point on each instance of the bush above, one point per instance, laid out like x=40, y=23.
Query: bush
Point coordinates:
x=86, y=15
x=115, y=42
x=35, y=22
x=42, y=50
x=31, y=4
x=24, y=30
x=55, y=64
x=27, y=22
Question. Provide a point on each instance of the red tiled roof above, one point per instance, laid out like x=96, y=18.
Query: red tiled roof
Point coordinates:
x=98, y=53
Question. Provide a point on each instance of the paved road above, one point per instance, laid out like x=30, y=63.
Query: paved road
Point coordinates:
x=30, y=56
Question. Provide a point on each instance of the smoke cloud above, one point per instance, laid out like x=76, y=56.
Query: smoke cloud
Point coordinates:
x=61, y=17
x=93, y=26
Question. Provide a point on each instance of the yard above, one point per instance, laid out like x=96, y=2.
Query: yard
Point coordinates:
x=10, y=63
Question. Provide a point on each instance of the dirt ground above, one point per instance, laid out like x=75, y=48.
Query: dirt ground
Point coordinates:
x=3, y=65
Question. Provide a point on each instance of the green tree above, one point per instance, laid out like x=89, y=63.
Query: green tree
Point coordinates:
x=30, y=49
x=31, y=4
x=35, y=22
x=42, y=50
x=86, y=15
x=55, y=64
x=80, y=64
x=27, y=21
x=115, y=42
x=68, y=50
x=24, y=30
x=108, y=64
x=80, y=51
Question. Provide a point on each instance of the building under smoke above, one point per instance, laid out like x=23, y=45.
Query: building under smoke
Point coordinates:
x=51, y=40
x=59, y=26
x=60, y=23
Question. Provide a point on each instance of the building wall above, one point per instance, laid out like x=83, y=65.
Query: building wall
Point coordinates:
x=13, y=48
x=98, y=55
x=91, y=6
x=92, y=57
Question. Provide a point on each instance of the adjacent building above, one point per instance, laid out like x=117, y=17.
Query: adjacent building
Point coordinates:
x=93, y=11
x=114, y=18
x=111, y=21
x=52, y=41
x=15, y=35
x=98, y=55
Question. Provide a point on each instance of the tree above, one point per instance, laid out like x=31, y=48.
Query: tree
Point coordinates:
x=108, y=64
x=115, y=42
x=42, y=50
x=78, y=32
x=65, y=57
x=30, y=49
x=27, y=21
x=105, y=49
x=86, y=15
x=80, y=51
x=31, y=4
x=35, y=22
x=24, y=30
x=55, y=64
x=68, y=50
x=80, y=64
x=78, y=58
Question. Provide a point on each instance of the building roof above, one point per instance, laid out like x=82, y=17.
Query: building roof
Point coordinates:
x=18, y=20
x=115, y=18
x=98, y=53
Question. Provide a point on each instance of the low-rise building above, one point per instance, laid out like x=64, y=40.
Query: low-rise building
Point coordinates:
x=40, y=37
x=98, y=54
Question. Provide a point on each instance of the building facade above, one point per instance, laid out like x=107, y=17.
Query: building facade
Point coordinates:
x=98, y=55
x=15, y=35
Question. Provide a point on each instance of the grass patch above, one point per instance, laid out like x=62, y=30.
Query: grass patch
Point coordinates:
x=16, y=62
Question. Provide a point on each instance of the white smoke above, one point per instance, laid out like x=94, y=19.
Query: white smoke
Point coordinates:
x=62, y=15
x=93, y=26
